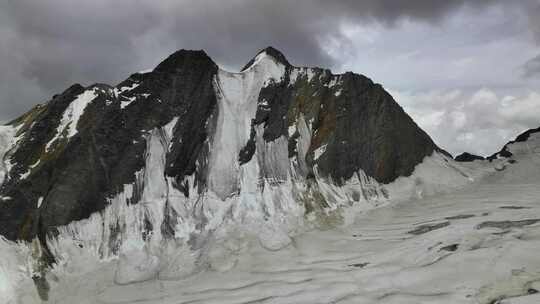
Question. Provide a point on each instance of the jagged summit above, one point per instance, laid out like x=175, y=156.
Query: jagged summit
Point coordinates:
x=269, y=51
x=185, y=59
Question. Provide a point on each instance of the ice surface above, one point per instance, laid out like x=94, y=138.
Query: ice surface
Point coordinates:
x=136, y=264
x=7, y=140
x=374, y=259
x=437, y=173
x=319, y=151
x=238, y=94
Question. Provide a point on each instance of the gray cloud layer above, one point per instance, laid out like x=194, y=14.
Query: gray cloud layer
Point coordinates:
x=47, y=45
x=53, y=43
x=531, y=68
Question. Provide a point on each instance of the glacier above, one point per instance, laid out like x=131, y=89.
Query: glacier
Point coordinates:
x=397, y=252
x=264, y=233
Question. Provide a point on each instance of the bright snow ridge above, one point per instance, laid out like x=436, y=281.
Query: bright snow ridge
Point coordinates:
x=237, y=95
x=71, y=116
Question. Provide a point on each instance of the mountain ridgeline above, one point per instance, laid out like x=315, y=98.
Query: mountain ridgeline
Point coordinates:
x=187, y=133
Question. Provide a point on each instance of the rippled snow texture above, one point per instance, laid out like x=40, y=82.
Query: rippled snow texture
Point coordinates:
x=376, y=259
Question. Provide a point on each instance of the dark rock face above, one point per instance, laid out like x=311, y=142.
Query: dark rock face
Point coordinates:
x=467, y=157
x=525, y=135
x=428, y=228
x=377, y=128
x=76, y=177
x=507, y=224
x=57, y=179
x=353, y=118
x=452, y=247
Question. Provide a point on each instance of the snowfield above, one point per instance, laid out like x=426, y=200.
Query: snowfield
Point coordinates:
x=477, y=244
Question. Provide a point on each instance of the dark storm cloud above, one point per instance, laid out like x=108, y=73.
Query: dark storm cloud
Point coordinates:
x=299, y=28
x=533, y=9
x=532, y=68
x=62, y=41
x=47, y=45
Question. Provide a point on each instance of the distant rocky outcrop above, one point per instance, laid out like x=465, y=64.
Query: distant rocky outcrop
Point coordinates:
x=468, y=157
x=505, y=151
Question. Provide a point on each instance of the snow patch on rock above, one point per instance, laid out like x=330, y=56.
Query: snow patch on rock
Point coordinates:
x=127, y=101
x=68, y=124
x=118, y=91
x=319, y=151
x=298, y=73
x=7, y=141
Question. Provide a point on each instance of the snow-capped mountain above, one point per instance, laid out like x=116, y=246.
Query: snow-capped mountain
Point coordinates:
x=162, y=171
x=188, y=130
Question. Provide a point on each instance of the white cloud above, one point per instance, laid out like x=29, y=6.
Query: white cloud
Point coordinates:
x=480, y=122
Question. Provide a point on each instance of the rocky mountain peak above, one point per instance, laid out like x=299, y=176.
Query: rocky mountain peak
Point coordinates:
x=468, y=157
x=183, y=59
x=191, y=145
x=271, y=52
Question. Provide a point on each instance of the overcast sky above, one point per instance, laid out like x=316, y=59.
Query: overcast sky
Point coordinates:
x=467, y=71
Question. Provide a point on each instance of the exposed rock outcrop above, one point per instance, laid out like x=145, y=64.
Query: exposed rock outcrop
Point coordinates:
x=71, y=157
x=468, y=157
x=505, y=151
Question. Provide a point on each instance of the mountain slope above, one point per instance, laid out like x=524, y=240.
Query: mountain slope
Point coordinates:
x=161, y=169
x=82, y=146
x=476, y=245
x=522, y=141
x=78, y=150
